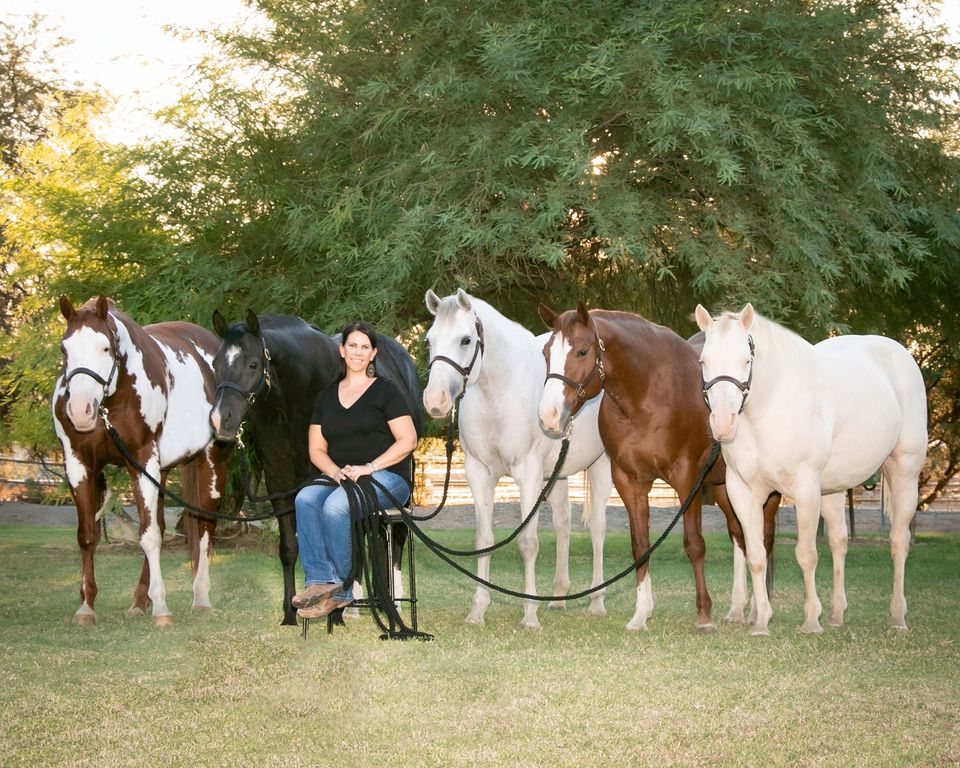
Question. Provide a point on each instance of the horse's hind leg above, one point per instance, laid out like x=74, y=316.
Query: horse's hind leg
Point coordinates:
x=560, y=505
x=147, y=496
x=600, y=481
x=903, y=494
x=831, y=509
x=696, y=549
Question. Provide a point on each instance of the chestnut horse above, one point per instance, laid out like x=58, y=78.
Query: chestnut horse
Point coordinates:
x=154, y=385
x=653, y=423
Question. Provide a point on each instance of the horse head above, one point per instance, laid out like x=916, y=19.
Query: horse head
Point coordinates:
x=455, y=341
x=242, y=370
x=726, y=364
x=90, y=360
x=574, y=355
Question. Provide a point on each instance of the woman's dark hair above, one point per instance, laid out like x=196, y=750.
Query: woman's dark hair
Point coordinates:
x=367, y=330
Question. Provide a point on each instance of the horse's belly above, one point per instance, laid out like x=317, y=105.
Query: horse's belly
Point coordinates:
x=186, y=429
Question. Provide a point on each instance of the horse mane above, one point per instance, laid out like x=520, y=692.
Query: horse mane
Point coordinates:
x=772, y=340
x=485, y=311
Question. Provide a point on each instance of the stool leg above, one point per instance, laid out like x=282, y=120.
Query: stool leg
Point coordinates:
x=413, y=582
x=306, y=623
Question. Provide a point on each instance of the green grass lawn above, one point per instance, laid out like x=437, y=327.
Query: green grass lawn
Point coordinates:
x=234, y=688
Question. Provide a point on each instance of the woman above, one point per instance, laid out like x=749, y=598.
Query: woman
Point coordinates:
x=361, y=425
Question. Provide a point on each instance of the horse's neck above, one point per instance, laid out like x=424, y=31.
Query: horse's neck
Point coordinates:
x=631, y=370
x=783, y=363
x=134, y=340
x=509, y=354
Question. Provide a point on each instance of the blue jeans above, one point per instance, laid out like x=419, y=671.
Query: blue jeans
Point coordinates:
x=323, y=528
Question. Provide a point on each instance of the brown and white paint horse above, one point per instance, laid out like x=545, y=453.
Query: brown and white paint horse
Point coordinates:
x=155, y=385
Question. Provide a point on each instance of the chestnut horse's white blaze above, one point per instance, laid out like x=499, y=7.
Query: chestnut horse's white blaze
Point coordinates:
x=156, y=385
x=500, y=436
x=814, y=421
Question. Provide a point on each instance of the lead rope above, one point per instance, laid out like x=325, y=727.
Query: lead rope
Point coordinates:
x=439, y=550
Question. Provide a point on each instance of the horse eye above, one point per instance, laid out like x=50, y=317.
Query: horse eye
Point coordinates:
x=465, y=341
x=582, y=352
x=106, y=350
x=254, y=365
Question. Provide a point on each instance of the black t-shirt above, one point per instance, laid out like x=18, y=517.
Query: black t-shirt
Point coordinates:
x=360, y=433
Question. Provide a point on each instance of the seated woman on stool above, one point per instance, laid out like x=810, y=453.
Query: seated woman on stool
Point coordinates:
x=361, y=425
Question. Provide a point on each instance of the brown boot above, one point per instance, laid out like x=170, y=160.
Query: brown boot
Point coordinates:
x=314, y=593
x=325, y=606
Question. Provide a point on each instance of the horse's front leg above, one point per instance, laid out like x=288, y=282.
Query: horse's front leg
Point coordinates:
x=530, y=483
x=601, y=482
x=208, y=481
x=151, y=538
x=738, y=592
x=559, y=497
x=635, y=495
x=831, y=509
x=749, y=511
x=482, y=484
x=88, y=494
x=289, y=551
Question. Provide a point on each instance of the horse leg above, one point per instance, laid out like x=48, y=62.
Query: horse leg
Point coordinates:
x=831, y=509
x=289, y=550
x=749, y=511
x=738, y=592
x=146, y=495
x=696, y=549
x=482, y=484
x=88, y=495
x=530, y=483
x=139, y=605
x=635, y=498
x=807, y=501
x=903, y=494
x=600, y=481
x=208, y=473
x=560, y=504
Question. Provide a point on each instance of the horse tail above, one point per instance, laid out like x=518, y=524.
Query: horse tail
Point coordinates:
x=587, y=493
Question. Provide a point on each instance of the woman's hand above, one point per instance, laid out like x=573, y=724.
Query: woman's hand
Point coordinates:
x=354, y=472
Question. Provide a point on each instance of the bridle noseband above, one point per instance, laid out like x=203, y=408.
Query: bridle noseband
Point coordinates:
x=103, y=382
x=263, y=383
x=597, y=370
x=743, y=386
x=477, y=351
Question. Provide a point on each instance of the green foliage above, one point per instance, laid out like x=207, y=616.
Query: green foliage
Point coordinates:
x=341, y=158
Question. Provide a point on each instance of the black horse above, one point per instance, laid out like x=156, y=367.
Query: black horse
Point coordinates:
x=269, y=371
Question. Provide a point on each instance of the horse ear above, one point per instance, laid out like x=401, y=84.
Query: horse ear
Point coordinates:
x=747, y=315
x=582, y=313
x=253, y=323
x=548, y=316
x=219, y=324
x=704, y=321
x=463, y=299
x=66, y=307
x=102, y=306
x=432, y=301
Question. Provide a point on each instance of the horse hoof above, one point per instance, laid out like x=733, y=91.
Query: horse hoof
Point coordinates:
x=134, y=611
x=533, y=623
x=811, y=629
x=735, y=618
x=596, y=612
x=835, y=622
x=759, y=632
x=558, y=605
x=637, y=626
x=900, y=627
x=163, y=620
x=85, y=619
x=201, y=607
x=706, y=629
x=474, y=617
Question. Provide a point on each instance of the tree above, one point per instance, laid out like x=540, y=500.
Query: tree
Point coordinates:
x=343, y=157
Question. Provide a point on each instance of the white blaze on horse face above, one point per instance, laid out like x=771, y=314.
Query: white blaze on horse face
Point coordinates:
x=552, y=407
x=87, y=348
x=231, y=353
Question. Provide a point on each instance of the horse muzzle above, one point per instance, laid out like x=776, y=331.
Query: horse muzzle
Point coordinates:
x=82, y=413
x=437, y=402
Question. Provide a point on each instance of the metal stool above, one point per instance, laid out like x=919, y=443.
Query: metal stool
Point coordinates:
x=393, y=517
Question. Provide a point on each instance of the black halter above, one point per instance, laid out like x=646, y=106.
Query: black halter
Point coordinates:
x=743, y=386
x=581, y=387
x=103, y=382
x=263, y=383
x=477, y=351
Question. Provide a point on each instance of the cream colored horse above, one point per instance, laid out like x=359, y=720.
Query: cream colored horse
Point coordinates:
x=812, y=421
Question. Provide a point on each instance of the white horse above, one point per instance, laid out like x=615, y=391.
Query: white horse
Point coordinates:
x=811, y=422
x=498, y=366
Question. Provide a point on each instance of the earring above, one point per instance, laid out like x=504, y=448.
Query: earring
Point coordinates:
x=371, y=369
